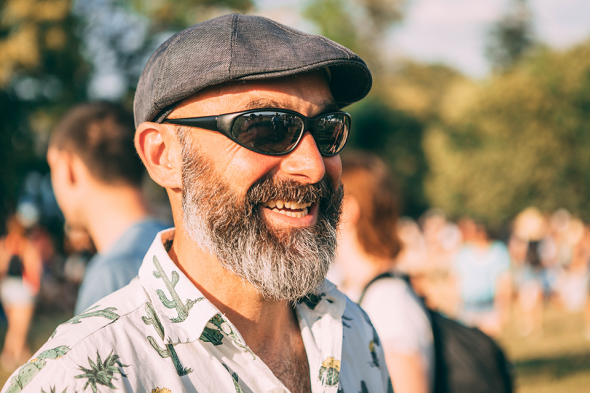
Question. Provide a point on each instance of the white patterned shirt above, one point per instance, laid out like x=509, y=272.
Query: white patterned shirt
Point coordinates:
x=159, y=334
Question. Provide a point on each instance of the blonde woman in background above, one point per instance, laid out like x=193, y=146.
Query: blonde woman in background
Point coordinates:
x=367, y=247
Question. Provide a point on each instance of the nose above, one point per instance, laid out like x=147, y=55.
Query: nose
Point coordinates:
x=305, y=164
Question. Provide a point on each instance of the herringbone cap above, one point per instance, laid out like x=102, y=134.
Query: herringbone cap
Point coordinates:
x=239, y=48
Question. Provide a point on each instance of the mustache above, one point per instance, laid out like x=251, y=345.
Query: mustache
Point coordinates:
x=268, y=189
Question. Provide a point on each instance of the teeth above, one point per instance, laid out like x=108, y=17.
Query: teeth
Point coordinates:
x=277, y=205
x=295, y=214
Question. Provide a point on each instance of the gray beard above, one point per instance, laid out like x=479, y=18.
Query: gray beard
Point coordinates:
x=280, y=264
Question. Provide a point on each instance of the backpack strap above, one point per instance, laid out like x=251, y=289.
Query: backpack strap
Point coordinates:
x=440, y=377
x=404, y=277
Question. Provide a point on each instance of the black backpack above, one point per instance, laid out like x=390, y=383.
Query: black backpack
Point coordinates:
x=466, y=359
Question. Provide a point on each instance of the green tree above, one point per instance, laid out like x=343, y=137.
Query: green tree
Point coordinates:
x=41, y=73
x=419, y=89
x=511, y=37
x=396, y=137
x=519, y=139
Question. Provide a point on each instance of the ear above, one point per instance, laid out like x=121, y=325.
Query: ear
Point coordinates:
x=161, y=153
x=62, y=167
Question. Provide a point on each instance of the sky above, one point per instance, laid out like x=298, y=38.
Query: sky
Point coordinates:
x=454, y=31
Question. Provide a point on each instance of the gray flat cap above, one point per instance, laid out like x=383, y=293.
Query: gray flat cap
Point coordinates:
x=242, y=47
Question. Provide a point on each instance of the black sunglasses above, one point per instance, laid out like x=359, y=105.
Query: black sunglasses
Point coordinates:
x=276, y=131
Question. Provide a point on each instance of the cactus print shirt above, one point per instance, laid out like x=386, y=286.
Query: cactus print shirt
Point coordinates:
x=159, y=334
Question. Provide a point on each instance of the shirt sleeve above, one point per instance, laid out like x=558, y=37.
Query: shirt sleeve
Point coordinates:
x=40, y=375
x=397, y=315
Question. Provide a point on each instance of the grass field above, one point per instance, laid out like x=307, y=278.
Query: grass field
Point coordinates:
x=556, y=361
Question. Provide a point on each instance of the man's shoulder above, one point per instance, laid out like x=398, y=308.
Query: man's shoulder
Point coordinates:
x=96, y=335
x=110, y=310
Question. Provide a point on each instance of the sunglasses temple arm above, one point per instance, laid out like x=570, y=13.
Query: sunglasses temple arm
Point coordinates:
x=208, y=122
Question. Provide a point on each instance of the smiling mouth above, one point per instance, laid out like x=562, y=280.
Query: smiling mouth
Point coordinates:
x=288, y=208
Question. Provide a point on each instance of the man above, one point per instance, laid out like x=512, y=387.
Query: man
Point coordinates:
x=233, y=299
x=96, y=177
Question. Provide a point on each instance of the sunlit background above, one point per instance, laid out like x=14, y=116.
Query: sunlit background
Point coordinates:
x=481, y=108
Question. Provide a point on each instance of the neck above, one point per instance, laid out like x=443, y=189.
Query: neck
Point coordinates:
x=358, y=267
x=111, y=212
x=260, y=322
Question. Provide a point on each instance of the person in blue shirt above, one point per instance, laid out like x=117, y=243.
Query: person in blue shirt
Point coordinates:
x=482, y=270
x=96, y=176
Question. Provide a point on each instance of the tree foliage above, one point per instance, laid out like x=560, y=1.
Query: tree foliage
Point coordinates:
x=41, y=74
x=395, y=136
x=360, y=25
x=419, y=89
x=519, y=139
x=511, y=37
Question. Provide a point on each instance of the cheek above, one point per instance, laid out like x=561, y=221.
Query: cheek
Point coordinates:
x=239, y=167
x=333, y=169
x=248, y=167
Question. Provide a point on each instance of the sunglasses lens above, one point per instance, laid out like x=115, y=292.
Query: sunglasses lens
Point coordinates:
x=268, y=132
x=332, y=133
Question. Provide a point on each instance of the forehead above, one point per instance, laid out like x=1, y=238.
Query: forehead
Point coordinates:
x=308, y=94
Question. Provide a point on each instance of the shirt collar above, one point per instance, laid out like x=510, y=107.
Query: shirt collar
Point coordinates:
x=180, y=306
x=184, y=311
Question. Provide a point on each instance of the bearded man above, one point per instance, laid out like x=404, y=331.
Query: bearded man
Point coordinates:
x=234, y=298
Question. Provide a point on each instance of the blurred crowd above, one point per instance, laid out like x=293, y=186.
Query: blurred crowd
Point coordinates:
x=468, y=273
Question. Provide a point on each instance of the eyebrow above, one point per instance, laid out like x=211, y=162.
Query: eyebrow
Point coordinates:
x=327, y=106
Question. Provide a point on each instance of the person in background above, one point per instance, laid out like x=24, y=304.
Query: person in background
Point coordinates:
x=21, y=267
x=482, y=272
x=530, y=247
x=96, y=176
x=368, y=246
x=435, y=283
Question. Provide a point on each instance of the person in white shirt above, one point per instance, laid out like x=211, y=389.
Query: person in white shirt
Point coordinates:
x=367, y=247
x=234, y=299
